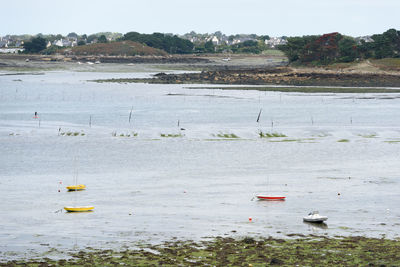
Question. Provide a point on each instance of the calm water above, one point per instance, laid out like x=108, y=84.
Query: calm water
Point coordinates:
x=149, y=188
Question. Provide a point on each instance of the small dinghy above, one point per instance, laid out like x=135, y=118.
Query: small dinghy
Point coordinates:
x=314, y=217
x=79, y=208
x=271, y=198
x=76, y=187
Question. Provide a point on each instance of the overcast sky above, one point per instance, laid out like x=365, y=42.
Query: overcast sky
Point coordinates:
x=274, y=18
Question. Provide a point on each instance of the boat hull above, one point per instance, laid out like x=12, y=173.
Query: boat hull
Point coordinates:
x=76, y=187
x=271, y=198
x=320, y=219
x=79, y=209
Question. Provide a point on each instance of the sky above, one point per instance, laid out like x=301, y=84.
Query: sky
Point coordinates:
x=262, y=17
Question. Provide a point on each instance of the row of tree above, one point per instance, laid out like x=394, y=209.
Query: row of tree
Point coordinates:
x=335, y=47
x=170, y=43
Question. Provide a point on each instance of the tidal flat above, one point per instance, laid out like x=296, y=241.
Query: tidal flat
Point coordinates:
x=149, y=190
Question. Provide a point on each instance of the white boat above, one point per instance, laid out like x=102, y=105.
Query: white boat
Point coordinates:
x=315, y=217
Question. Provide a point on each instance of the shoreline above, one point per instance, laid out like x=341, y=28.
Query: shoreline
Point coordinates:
x=282, y=76
x=248, y=251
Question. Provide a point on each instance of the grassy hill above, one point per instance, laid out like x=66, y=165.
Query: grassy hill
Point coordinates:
x=124, y=48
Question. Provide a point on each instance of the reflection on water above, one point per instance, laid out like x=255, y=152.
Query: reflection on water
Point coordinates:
x=315, y=226
x=195, y=183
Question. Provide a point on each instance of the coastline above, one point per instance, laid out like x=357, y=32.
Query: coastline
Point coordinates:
x=246, y=251
x=274, y=76
x=303, y=250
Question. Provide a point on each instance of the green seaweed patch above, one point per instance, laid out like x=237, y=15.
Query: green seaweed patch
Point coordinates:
x=171, y=135
x=368, y=135
x=343, y=140
x=286, y=140
x=131, y=134
x=270, y=135
x=247, y=251
x=392, y=141
x=304, y=89
x=226, y=135
x=72, y=133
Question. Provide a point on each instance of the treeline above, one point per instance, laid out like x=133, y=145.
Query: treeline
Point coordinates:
x=335, y=47
x=170, y=43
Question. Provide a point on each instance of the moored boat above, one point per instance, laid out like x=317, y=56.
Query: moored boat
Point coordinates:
x=76, y=187
x=271, y=198
x=79, y=208
x=314, y=217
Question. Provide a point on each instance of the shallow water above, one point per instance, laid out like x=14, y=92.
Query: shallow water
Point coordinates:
x=152, y=189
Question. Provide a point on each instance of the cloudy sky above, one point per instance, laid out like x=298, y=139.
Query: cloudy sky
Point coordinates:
x=275, y=18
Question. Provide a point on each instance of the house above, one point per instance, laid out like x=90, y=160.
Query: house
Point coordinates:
x=366, y=39
x=4, y=44
x=63, y=43
x=214, y=39
x=58, y=42
x=11, y=50
x=275, y=41
x=19, y=43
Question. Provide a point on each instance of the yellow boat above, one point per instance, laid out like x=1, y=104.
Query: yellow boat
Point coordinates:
x=79, y=208
x=76, y=187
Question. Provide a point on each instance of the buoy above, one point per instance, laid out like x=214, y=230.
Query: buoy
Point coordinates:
x=250, y=219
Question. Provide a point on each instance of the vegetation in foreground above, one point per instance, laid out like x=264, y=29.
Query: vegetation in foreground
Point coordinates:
x=303, y=251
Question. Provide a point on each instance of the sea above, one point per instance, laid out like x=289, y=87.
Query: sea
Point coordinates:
x=169, y=162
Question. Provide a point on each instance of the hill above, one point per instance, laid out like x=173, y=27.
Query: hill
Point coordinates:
x=124, y=48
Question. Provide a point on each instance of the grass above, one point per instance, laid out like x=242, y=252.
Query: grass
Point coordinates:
x=391, y=64
x=273, y=52
x=270, y=135
x=128, y=48
x=248, y=251
x=343, y=140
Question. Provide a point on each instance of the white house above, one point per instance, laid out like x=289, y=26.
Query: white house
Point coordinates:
x=275, y=41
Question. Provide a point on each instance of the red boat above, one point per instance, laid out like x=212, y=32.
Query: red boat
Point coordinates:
x=264, y=197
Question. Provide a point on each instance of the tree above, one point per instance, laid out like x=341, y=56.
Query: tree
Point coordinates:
x=168, y=43
x=72, y=35
x=263, y=37
x=102, y=39
x=35, y=45
x=347, y=49
x=91, y=38
x=209, y=47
